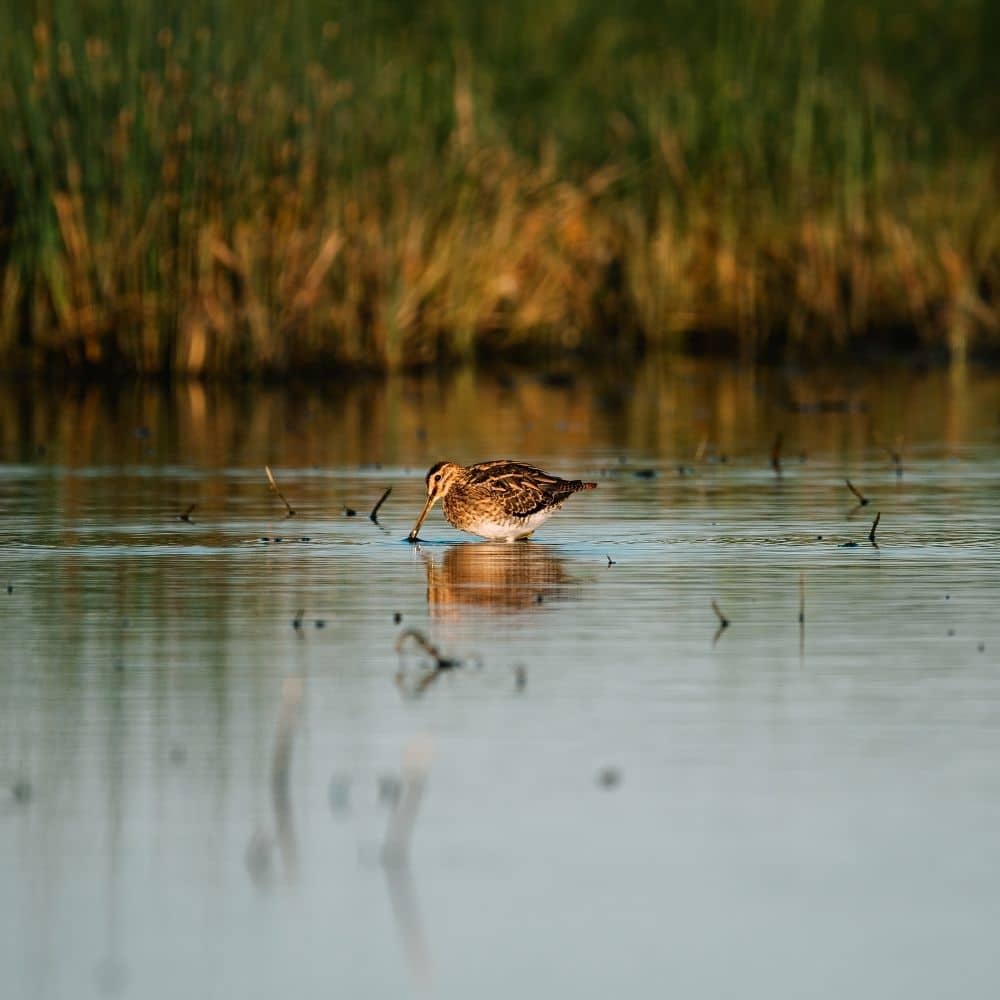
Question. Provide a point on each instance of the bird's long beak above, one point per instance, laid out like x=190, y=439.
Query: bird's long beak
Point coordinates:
x=420, y=520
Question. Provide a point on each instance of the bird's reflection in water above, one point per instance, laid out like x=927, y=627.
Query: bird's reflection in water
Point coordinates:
x=500, y=577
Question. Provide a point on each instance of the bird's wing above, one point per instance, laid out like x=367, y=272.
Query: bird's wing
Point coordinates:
x=520, y=490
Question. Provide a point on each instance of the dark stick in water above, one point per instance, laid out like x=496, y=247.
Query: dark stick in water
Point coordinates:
x=896, y=455
x=871, y=534
x=186, y=516
x=776, y=454
x=281, y=496
x=373, y=516
x=802, y=598
x=723, y=620
x=862, y=499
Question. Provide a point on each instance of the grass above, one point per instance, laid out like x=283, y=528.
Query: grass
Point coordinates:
x=219, y=186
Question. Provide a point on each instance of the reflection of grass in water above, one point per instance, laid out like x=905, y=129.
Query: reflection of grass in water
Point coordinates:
x=264, y=186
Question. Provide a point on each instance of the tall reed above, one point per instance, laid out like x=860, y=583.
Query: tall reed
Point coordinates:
x=223, y=186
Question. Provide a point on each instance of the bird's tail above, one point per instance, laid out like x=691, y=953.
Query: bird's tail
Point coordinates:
x=585, y=486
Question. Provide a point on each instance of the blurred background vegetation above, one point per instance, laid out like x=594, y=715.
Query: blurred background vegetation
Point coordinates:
x=237, y=186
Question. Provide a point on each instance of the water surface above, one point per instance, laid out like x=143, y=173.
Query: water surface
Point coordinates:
x=195, y=793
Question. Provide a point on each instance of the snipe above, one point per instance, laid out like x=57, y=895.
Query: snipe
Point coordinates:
x=500, y=500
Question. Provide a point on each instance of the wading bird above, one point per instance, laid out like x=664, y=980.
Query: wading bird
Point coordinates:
x=501, y=500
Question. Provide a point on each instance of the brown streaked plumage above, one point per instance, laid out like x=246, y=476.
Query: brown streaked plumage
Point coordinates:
x=499, y=500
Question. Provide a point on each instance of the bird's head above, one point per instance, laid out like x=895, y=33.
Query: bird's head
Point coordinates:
x=440, y=478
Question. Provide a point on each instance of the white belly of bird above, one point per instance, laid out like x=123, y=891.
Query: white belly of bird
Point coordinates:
x=510, y=530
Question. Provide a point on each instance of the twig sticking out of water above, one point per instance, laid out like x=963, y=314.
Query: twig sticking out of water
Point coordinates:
x=416, y=765
x=896, y=455
x=373, y=516
x=699, y=453
x=723, y=623
x=186, y=516
x=776, y=453
x=862, y=499
x=281, y=496
x=297, y=620
x=611, y=562
x=871, y=534
x=440, y=662
x=802, y=598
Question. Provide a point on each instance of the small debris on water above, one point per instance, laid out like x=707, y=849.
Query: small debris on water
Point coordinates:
x=538, y=599
x=611, y=562
x=177, y=754
x=981, y=647
x=645, y=473
x=849, y=545
x=297, y=620
x=320, y=623
x=609, y=777
x=389, y=789
x=10, y=588
x=520, y=676
x=21, y=791
x=951, y=632
x=396, y=617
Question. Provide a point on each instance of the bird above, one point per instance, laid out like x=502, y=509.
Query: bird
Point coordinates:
x=502, y=501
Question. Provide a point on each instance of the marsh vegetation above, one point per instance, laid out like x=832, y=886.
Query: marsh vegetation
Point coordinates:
x=265, y=187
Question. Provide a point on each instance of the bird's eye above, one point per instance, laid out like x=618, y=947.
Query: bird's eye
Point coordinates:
x=437, y=478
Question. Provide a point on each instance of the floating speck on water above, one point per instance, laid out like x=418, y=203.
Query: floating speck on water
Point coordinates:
x=947, y=597
x=396, y=617
x=645, y=473
x=849, y=545
x=264, y=538
x=389, y=789
x=538, y=599
x=278, y=538
x=305, y=538
x=177, y=755
x=981, y=647
x=350, y=512
x=10, y=588
x=609, y=777
x=819, y=538
x=319, y=623
x=520, y=677
x=951, y=632
x=21, y=790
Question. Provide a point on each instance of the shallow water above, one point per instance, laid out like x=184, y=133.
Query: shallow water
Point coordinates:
x=195, y=794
